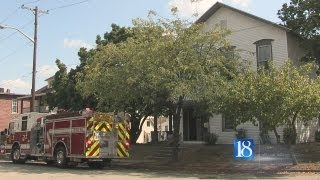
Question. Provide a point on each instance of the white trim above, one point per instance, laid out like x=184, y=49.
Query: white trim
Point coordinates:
x=67, y=130
x=8, y=146
x=66, y=119
x=23, y=146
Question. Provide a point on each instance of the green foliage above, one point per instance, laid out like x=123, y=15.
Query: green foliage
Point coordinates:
x=163, y=64
x=317, y=136
x=241, y=133
x=303, y=17
x=289, y=135
x=64, y=93
x=211, y=138
x=57, y=98
x=277, y=96
x=116, y=35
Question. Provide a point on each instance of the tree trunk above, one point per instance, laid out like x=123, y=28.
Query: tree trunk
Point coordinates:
x=292, y=155
x=293, y=126
x=135, y=122
x=276, y=134
x=293, y=141
x=170, y=122
x=176, y=126
x=155, y=127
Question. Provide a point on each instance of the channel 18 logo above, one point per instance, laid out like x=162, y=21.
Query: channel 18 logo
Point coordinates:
x=243, y=148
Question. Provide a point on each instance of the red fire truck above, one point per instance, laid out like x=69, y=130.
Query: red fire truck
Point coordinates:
x=68, y=138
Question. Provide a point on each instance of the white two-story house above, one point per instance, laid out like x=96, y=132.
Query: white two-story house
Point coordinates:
x=257, y=40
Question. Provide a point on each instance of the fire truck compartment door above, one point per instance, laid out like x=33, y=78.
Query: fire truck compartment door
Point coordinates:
x=107, y=141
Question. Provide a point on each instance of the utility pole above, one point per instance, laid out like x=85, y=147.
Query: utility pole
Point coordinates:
x=35, y=11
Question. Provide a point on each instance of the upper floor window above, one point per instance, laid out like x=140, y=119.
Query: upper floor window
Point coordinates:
x=14, y=106
x=148, y=123
x=264, y=52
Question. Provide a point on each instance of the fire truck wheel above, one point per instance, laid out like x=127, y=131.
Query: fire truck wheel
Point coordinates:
x=16, y=155
x=61, y=157
x=96, y=165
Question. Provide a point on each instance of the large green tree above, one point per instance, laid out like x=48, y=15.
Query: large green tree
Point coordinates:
x=273, y=97
x=303, y=17
x=165, y=63
x=64, y=93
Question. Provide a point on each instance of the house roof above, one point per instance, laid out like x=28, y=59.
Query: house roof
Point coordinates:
x=11, y=94
x=50, y=78
x=44, y=89
x=29, y=96
x=219, y=5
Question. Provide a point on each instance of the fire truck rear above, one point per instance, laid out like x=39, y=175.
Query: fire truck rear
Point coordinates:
x=69, y=138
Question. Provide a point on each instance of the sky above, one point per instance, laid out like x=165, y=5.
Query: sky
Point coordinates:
x=71, y=24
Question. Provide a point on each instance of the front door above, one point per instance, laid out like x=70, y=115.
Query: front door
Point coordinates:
x=193, y=125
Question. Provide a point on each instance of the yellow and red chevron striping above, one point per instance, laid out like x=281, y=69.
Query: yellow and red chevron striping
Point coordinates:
x=122, y=151
x=123, y=132
x=103, y=126
x=92, y=146
x=90, y=125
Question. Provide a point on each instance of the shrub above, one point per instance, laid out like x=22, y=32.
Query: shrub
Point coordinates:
x=289, y=136
x=211, y=138
x=264, y=137
x=241, y=133
x=317, y=136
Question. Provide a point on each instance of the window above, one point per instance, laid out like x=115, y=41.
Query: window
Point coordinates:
x=264, y=52
x=14, y=106
x=227, y=123
x=166, y=128
x=24, y=123
x=148, y=123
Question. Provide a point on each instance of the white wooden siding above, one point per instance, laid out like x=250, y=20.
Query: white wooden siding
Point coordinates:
x=246, y=30
x=306, y=132
x=227, y=137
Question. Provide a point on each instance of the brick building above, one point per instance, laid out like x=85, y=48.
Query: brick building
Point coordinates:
x=9, y=106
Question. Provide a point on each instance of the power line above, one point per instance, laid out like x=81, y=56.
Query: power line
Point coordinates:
x=31, y=2
x=2, y=60
x=68, y=5
x=11, y=81
x=29, y=74
x=10, y=15
x=14, y=12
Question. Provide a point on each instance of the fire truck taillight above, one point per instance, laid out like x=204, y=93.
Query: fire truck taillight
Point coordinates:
x=89, y=142
x=127, y=144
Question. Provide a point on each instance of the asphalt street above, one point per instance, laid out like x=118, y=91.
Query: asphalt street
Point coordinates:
x=36, y=170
